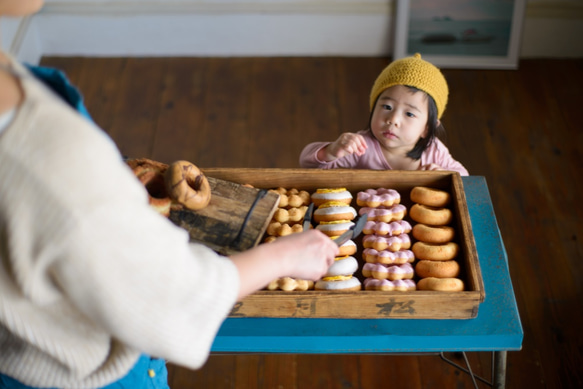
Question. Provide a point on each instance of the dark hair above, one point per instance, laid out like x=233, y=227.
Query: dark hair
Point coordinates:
x=433, y=130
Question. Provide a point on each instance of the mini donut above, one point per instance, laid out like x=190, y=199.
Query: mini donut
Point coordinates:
x=346, y=248
x=430, y=196
x=384, y=214
x=378, y=197
x=334, y=210
x=389, y=286
x=187, y=185
x=392, y=243
x=283, y=215
x=151, y=175
x=435, y=252
x=334, y=228
x=283, y=229
x=433, y=234
x=289, y=284
x=293, y=197
x=441, y=284
x=381, y=228
x=339, y=284
x=391, y=272
x=322, y=196
x=431, y=215
x=342, y=266
x=438, y=269
x=387, y=257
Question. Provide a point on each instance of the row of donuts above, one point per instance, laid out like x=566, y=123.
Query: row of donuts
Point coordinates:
x=437, y=267
x=386, y=242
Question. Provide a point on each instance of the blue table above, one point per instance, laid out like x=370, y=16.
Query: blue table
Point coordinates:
x=496, y=328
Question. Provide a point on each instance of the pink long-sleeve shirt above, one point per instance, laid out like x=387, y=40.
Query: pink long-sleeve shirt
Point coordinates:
x=374, y=159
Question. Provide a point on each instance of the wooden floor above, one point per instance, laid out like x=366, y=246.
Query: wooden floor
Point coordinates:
x=522, y=130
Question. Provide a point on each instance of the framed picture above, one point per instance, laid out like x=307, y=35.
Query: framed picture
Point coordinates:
x=460, y=33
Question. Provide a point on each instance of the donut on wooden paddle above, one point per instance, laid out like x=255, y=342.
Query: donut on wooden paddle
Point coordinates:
x=151, y=175
x=187, y=185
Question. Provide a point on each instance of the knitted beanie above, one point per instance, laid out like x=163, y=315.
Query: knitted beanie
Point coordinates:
x=413, y=71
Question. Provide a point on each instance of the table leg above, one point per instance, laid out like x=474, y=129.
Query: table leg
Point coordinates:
x=500, y=369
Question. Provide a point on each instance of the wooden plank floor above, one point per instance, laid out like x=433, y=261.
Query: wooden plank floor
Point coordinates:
x=521, y=129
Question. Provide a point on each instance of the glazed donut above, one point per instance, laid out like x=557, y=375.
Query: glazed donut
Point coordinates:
x=387, y=257
x=187, y=185
x=441, y=284
x=389, y=286
x=151, y=175
x=334, y=210
x=289, y=284
x=322, y=196
x=382, y=214
x=378, y=197
x=346, y=248
x=438, y=269
x=293, y=215
x=433, y=234
x=340, y=283
x=334, y=228
x=435, y=252
x=391, y=272
x=431, y=215
x=392, y=243
x=430, y=196
x=342, y=266
x=381, y=228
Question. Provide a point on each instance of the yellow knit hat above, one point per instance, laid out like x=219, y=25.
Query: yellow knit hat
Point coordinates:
x=413, y=71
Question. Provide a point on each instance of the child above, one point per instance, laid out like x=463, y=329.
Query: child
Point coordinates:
x=406, y=103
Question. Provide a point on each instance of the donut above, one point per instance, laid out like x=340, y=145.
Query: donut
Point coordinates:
x=389, y=286
x=342, y=266
x=381, y=228
x=340, y=283
x=378, y=197
x=392, y=243
x=346, y=248
x=430, y=196
x=289, y=284
x=391, y=272
x=334, y=210
x=293, y=215
x=438, y=269
x=334, y=228
x=435, y=252
x=293, y=197
x=322, y=196
x=430, y=215
x=187, y=185
x=151, y=175
x=283, y=229
x=384, y=214
x=433, y=234
x=387, y=257
x=441, y=284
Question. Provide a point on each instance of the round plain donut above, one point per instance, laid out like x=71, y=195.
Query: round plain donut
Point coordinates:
x=334, y=210
x=430, y=196
x=187, y=185
x=438, y=269
x=348, y=283
x=435, y=252
x=441, y=284
x=151, y=175
x=430, y=215
x=433, y=234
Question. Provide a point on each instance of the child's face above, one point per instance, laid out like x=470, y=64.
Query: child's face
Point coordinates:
x=400, y=118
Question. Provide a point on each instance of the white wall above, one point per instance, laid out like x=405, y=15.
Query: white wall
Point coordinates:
x=552, y=28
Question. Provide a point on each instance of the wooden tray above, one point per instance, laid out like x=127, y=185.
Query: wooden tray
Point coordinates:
x=367, y=304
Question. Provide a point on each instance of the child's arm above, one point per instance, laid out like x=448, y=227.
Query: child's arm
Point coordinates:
x=347, y=143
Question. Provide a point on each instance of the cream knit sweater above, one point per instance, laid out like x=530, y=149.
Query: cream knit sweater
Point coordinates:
x=90, y=275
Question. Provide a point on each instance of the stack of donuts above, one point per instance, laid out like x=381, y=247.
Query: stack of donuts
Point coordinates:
x=386, y=241
x=286, y=220
x=334, y=215
x=434, y=248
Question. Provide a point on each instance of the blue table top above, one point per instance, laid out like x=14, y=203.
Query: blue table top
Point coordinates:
x=497, y=326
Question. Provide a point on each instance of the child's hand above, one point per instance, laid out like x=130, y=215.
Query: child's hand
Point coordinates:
x=347, y=143
x=431, y=166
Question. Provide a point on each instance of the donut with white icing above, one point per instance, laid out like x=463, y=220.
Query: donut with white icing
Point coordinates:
x=391, y=272
x=381, y=228
x=389, y=286
x=334, y=228
x=334, y=210
x=343, y=284
x=384, y=214
x=324, y=195
x=392, y=243
x=387, y=257
x=378, y=197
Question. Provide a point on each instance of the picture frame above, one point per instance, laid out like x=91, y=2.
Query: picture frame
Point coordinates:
x=480, y=34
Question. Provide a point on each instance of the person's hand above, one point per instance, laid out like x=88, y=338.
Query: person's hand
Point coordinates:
x=430, y=166
x=347, y=143
x=307, y=255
